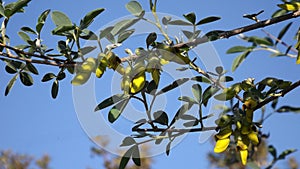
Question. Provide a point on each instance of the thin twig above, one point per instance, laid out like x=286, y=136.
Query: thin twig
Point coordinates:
x=175, y=130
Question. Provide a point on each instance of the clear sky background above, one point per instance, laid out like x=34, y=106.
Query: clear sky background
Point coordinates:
x=32, y=122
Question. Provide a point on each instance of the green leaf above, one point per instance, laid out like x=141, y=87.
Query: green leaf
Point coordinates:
x=183, y=109
x=166, y=19
x=225, y=79
x=150, y=39
x=89, y=18
x=54, y=89
x=201, y=79
x=191, y=123
x=125, y=159
x=32, y=68
x=191, y=17
x=208, y=20
x=105, y=31
x=11, y=84
x=48, y=76
x=116, y=111
x=189, y=35
x=12, y=8
x=237, y=49
x=26, y=79
x=227, y=94
x=24, y=37
x=10, y=70
x=136, y=155
x=274, y=103
x=41, y=21
x=110, y=101
x=260, y=41
x=286, y=153
x=87, y=49
x=61, y=76
x=127, y=141
x=187, y=99
x=290, y=6
x=279, y=12
x=272, y=151
x=284, y=109
x=197, y=92
x=63, y=29
x=134, y=8
x=180, y=22
x=88, y=35
x=161, y=117
x=151, y=87
x=60, y=19
x=168, y=148
x=172, y=86
x=125, y=35
x=208, y=93
x=1, y=10
x=188, y=117
x=283, y=31
x=123, y=25
x=28, y=30
x=239, y=59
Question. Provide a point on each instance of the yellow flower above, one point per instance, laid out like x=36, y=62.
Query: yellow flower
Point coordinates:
x=221, y=145
x=244, y=156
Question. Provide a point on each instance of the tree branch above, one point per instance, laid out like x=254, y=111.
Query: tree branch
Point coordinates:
x=174, y=130
x=228, y=34
x=281, y=94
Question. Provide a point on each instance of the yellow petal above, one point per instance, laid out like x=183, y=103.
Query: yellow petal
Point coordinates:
x=241, y=145
x=244, y=156
x=253, y=137
x=221, y=145
x=137, y=83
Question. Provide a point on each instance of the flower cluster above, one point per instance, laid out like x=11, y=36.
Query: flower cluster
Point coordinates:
x=241, y=128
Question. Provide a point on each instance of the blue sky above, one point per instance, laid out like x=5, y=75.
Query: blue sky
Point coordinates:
x=32, y=122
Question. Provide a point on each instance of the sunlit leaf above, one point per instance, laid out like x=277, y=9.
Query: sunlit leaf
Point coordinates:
x=41, y=21
x=124, y=35
x=179, y=22
x=237, y=49
x=286, y=153
x=272, y=151
x=123, y=25
x=239, y=59
x=201, y=79
x=28, y=30
x=116, y=111
x=63, y=29
x=14, y=7
x=187, y=99
x=110, y=101
x=290, y=6
x=24, y=37
x=60, y=19
x=208, y=20
x=134, y=8
x=261, y=41
x=11, y=84
x=197, y=92
x=105, y=31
